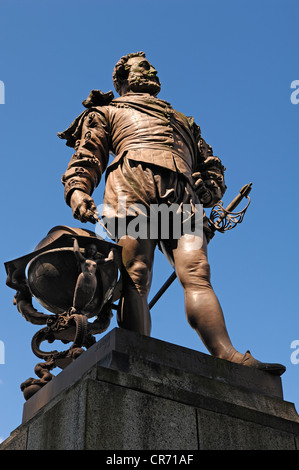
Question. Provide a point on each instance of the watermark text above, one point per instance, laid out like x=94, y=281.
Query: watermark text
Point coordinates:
x=2, y=353
x=153, y=221
x=295, y=94
x=2, y=92
x=295, y=353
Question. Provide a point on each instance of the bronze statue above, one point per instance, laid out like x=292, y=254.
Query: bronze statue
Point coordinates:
x=73, y=287
x=160, y=157
x=88, y=280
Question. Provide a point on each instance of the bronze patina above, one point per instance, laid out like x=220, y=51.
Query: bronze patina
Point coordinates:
x=159, y=156
x=74, y=275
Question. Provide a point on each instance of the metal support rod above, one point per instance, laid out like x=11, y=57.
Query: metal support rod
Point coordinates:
x=162, y=290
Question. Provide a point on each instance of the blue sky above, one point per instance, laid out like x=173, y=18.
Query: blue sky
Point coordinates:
x=230, y=65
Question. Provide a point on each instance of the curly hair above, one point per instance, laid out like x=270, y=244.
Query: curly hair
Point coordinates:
x=121, y=69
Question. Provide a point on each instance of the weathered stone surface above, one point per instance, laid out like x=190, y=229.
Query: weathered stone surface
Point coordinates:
x=17, y=440
x=62, y=426
x=126, y=351
x=137, y=393
x=221, y=432
x=122, y=418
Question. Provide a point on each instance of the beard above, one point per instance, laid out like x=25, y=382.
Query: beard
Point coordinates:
x=143, y=84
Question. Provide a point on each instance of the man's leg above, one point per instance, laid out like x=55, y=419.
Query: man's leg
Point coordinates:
x=137, y=257
x=203, y=310
x=202, y=307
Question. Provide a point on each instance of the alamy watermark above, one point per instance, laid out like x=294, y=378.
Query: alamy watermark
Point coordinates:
x=153, y=221
x=2, y=353
x=2, y=92
x=295, y=354
x=295, y=94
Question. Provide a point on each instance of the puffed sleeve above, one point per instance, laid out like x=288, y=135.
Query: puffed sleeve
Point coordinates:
x=210, y=168
x=89, y=136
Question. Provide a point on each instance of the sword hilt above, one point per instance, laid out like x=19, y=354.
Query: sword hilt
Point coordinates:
x=242, y=193
x=226, y=214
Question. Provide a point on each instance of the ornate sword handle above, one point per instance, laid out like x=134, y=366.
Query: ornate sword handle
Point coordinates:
x=223, y=219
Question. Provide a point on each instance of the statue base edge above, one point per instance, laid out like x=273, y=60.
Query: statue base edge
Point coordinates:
x=133, y=392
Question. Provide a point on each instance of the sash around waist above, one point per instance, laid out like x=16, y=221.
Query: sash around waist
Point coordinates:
x=158, y=156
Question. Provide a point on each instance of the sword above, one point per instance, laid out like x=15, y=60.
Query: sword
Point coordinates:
x=97, y=218
x=221, y=220
x=227, y=219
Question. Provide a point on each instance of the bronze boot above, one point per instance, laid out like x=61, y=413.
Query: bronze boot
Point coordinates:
x=249, y=361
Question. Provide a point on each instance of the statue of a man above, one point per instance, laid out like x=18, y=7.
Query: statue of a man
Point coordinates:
x=160, y=157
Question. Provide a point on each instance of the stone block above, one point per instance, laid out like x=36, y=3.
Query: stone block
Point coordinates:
x=130, y=392
x=125, y=419
x=222, y=432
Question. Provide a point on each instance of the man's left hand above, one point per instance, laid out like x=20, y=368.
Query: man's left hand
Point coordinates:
x=201, y=189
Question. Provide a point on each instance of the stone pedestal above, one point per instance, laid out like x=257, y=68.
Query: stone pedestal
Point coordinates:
x=130, y=392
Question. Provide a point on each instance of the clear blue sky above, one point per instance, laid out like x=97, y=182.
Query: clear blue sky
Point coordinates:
x=227, y=63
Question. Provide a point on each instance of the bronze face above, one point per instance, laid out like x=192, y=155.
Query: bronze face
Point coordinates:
x=91, y=251
x=142, y=77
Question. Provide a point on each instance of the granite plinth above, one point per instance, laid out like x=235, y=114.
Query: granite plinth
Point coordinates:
x=133, y=392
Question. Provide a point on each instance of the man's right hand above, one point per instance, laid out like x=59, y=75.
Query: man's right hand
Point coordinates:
x=83, y=207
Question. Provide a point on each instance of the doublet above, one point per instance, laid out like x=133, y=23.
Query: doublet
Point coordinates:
x=140, y=126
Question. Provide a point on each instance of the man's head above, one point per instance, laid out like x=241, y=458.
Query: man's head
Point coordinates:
x=91, y=251
x=134, y=73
